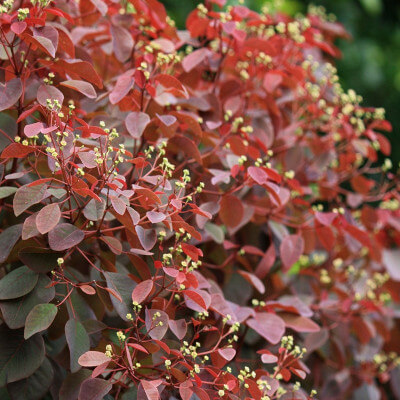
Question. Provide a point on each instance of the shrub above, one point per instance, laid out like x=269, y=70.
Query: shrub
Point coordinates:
x=192, y=214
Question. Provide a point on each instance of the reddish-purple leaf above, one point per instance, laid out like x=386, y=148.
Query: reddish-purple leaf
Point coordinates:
x=136, y=123
x=267, y=357
x=135, y=216
x=101, y=6
x=147, y=237
x=138, y=347
x=227, y=353
x=167, y=120
x=299, y=323
x=65, y=236
x=122, y=42
x=124, y=84
x=83, y=87
x=231, y=210
x=33, y=129
x=93, y=359
x=16, y=150
x=29, y=228
x=268, y=325
x=47, y=39
x=194, y=59
x=49, y=92
x=155, y=217
x=47, y=218
x=258, y=175
x=88, y=159
x=27, y=196
x=94, y=389
x=156, y=323
x=113, y=243
x=197, y=299
x=8, y=238
x=118, y=204
x=178, y=327
x=18, y=27
x=142, y=290
x=150, y=389
x=10, y=92
x=271, y=81
x=291, y=249
x=253, y=280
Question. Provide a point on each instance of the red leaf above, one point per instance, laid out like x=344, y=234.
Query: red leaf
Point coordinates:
x=192, y=251
x=231, y=211
x=150, y=389
x=17, y=150
x=122, y=42
x=46, y=92
x=136, y=123
x=81, y=86
x=258, y=175
x=299, y=323
x=65, y=236
x=156, y=323
x=178, y=327
x=253, y=280
x=147, y=237
x=83, y=69
x=142, y=290
x=113, y=243
x=88, y=289
x=291, y=249
x=10, y=93
x=47, y=218
x=269, y=326
x=194, y=59
x=167, y=120
x=18, y=27
x=180, y=143
x=94, y=389
x=197, y=298
x=138, y=347
x=155, y=217
x=271, y=81
x=93, y=359
x=227, y=353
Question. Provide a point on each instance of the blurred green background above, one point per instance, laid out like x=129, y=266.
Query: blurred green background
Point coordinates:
x=371, y=60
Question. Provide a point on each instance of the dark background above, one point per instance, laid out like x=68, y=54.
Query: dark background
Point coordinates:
x=371, y=59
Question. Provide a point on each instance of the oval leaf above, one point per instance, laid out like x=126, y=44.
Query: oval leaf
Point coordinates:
x=17, y=283
x=39, y=319
x=65, y=236
x=47, y=218
x=93, y=359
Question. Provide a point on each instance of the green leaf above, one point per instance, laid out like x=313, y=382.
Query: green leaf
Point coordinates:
x=124, y=286
x=36, y=386
x=215, y=232
x=8, y=238
x=6, y=191
x=78, y=342
x=40, y=318
x=27, y=196
x=19, y=358
x=14, y=312
x=17, y=283
x=94, y=210
x=39, y=259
